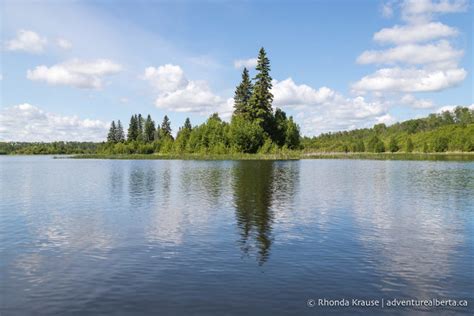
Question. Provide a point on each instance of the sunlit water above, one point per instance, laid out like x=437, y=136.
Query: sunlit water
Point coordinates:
x=232, y=237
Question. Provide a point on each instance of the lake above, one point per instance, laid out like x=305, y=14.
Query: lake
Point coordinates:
x=171, y=237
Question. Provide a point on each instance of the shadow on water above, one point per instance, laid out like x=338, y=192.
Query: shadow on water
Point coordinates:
x=260, y=187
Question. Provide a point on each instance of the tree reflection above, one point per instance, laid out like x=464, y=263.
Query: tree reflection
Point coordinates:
x=253, y=198
x=142, y=181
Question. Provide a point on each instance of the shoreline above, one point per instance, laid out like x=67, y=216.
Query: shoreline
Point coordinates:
x=446, y=156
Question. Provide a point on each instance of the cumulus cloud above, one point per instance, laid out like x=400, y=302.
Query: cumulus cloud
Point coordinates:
x=25, y=122
x=166, y=78
x=451, y=108
x=386, y=119
x=323, y=109
x=178, y=94
x=63, y=43
x=409, y=99
x=76, y=73
x=440, y=52
x=410, y=80
x=196, y=96
x=27, y=41
x=426, y=67
x=248, y=63
x=414, y=33
x=417, y=11
x=287, y=93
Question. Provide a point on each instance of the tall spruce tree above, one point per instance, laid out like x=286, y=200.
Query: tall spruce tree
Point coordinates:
x=119, y=134
x=140, y=124
x=187, y=124
x=112, y=133
x=165, y=130
x=132, y=129
x=149, y=130
x=260, y=103
x=242, y=95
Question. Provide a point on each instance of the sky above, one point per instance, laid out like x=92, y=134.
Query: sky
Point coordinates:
x=68, y=68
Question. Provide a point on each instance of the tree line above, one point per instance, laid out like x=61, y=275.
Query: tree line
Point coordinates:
x=254, y=126
x=446, y=131
x=53, y=148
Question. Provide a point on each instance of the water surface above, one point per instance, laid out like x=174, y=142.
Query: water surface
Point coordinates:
x=232, y=237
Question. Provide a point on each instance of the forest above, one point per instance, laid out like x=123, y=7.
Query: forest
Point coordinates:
x=255, y=127
x=445, y=132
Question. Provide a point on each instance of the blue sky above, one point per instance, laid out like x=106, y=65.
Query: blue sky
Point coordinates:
x=69, y=68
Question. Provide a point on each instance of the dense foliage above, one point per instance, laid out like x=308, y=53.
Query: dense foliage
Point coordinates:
x=254, y=126
x=58, y=148
x=448, y=131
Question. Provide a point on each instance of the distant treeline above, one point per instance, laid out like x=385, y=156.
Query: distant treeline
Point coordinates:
x=54, y=148
x=448, y=131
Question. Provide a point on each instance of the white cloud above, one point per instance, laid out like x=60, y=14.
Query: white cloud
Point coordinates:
x=386, y=119
x=166, y=78
x=414, y=33
x=196, y=96
x=63, y=43
x=26, y=122
x=76, y=73
x=440, y=52
x=287, y=93
x=436, y=62
x=418, y=11
x=27, y=41
x=410, y=80
x=409, y=99
x=323, y=109
x=248, y=63
x=451, y=108
x=178, y=94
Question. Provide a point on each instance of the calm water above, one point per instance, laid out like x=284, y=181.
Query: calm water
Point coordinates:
x=232, y=237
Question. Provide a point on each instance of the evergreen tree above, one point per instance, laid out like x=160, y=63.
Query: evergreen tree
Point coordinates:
x=140, y=123
x=187, y=124
x=132, y=129
x=279, y=127
x=260, y=103
x=119, y=134
x=165, y=130
x=149, y=130
x=242, y=95
x=112, y=133
x=183, y=136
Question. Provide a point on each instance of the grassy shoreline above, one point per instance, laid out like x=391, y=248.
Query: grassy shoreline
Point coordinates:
x=448, y=156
